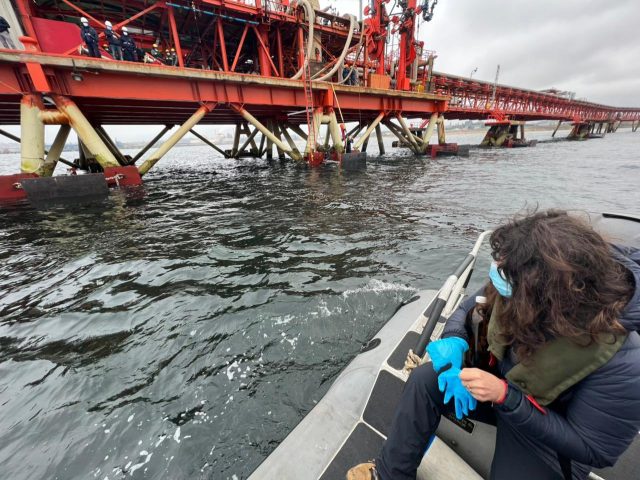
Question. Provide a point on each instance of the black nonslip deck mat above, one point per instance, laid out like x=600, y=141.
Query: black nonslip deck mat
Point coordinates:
x=362, y=445
x=382, y=402
x=399, y=355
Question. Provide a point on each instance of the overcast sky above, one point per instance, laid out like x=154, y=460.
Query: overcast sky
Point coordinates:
x=591, y=47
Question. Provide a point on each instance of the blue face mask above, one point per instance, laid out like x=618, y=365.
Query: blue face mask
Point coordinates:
x=502, y=285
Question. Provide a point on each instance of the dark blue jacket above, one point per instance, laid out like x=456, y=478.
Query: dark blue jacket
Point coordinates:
x=88, y=34
x=112, y=38
x=595, y=421
x=4, y=25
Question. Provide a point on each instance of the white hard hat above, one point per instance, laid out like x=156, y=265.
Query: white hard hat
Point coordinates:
x=108, y=23
x=84, y=20
x=125, y=29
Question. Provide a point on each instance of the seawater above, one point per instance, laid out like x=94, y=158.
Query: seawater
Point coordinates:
x=182, y=329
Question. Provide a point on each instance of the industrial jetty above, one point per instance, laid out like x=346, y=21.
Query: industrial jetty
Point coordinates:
x=277, y=70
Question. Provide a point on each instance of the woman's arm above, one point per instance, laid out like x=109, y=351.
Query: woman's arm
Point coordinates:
x=455, y=326
x=602, y=419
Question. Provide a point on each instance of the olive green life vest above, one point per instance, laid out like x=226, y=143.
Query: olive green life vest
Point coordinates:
x=557, y=365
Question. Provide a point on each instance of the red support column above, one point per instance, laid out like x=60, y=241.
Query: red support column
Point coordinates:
x=24, y=7
x=239, y=49
x=280, y=55
x=176, y=38
x=223, y=46
x=83, y=13
x=264, y=55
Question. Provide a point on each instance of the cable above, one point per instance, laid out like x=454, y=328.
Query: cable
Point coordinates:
x=311, y=18
x=345, y=51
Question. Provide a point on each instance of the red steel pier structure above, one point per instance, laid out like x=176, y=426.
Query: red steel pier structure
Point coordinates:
x=276, y=69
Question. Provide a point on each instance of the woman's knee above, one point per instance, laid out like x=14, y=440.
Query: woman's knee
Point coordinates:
x=424, y=376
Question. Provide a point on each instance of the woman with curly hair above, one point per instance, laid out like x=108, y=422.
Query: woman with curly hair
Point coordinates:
x=562, y=380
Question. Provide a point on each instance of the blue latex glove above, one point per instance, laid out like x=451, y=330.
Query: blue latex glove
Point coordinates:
x=447, y=351
x=449, y=382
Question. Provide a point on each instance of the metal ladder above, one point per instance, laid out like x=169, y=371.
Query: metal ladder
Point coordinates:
x=308, y=94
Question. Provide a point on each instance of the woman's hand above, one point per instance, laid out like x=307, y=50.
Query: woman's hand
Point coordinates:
x=483, y=386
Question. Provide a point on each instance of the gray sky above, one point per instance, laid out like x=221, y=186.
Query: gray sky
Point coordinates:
x=591, y=47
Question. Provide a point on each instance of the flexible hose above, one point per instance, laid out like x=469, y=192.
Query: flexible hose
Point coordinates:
x=345, y=51
x=311, y=18
x=353, y=67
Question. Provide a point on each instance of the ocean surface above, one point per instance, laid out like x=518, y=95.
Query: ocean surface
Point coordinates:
x=182, y=329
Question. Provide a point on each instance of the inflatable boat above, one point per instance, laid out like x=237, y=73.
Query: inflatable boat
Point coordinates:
x=349, y=425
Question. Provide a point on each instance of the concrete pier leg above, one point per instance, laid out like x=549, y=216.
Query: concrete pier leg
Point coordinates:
x=292, y=144
x=206, y=141
x=175, y=137
x=88, y=158
x=380, y=140
x=353, y=133
x=104, y=136
x=249, y=140
x=56, y=151
x=236, y=142
x=442, y=134
x=428, y=132
x=279, y=149
x=261, y=148
x=314, y=132
x=408, y=134
x=327, y=138
x=496, y=136
x=556, y=129
x=86, y=132
x=580, y=131
x=334, y=129
x=522, y=132
x=32, y=136
x=149, y=145
x=634, y=126
x=365, y=144
x=269, y=141
x=264, y=130
x=82, y=159
x=298, y=131
x=398, y=133
x=368, y=131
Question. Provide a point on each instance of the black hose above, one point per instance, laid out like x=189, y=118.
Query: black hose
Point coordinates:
x=436, y=311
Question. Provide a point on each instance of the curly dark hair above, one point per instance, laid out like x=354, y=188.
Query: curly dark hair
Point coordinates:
x=566, y=283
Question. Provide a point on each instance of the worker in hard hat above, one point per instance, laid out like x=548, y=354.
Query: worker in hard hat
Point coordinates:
x=90, y=38
x=346, y=74
x=157, y=53
x=115, y=47
x=129, y=49
x=174, y=57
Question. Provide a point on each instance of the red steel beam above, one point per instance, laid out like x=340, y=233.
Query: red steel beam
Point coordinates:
x=264, y=56
x=223, y=45
x=239, y=49
x=176, y=37
x=83, y=13
x=24, y=7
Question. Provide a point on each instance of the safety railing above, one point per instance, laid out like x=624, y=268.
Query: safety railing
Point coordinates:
x=449, y=295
